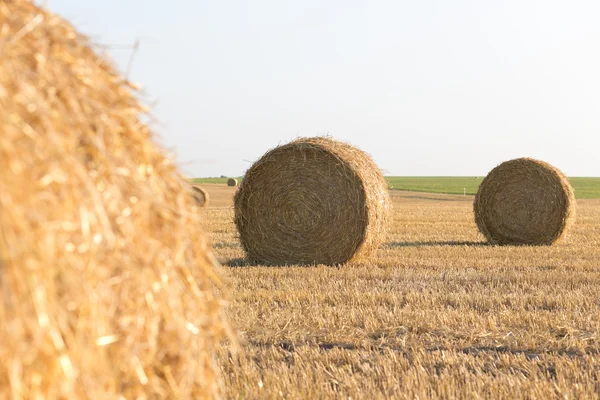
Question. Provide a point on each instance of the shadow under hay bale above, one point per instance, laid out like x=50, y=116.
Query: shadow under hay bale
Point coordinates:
x=232, y=182
x=201, y=196
x=107, y=286
x=524, y=202
x=312, y=201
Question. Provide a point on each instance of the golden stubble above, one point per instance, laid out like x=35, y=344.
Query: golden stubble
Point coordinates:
x=436, y=313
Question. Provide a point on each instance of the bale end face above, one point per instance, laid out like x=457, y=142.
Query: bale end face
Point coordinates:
x=312, y=201
x=524, y=202
x=232, y=182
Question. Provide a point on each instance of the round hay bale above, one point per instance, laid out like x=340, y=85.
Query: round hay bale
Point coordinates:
x=524, y=202
x=200, y=195
x=107, y=282
x=232, y=182
x=312, y=201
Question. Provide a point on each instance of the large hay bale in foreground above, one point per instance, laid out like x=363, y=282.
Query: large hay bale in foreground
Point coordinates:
x=232, y=182
x=313, y=200
x=524, y=202
x=200, y=195
x=107, y=283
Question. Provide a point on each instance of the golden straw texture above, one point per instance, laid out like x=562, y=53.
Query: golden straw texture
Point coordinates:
x=314, y=200
x=200, y=195
x=107, y=282
x=232, y=182
x=524, y=202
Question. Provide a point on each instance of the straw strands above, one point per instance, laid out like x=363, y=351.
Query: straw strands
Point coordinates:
x=524, y=202
x=107, y=286
x=314, y=200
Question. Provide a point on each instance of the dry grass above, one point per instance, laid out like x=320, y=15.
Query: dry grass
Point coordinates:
x=107, y=281
x=524, y=201
x=312, y=201
x=437, y=314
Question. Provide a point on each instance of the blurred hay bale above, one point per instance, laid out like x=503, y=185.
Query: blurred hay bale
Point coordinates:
x=524, y=202
x=232, y=182
x=107, y=282
x=314, y=200
x=200, y=195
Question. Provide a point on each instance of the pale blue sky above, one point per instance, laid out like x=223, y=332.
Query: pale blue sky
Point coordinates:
x=426, y=87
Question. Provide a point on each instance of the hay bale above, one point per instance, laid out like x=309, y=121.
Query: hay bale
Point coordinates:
x=107, y=283
x=314, y=200
x=524, y=202
x=232, y=182
x=200, y=195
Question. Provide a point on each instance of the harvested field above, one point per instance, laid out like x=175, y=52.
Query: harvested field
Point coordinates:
x=585, y=188
x=437, y=313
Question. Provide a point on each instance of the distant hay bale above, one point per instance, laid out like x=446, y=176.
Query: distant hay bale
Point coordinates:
x=314, y=200
x=232, y=182
x=200, y=195
x=524, y=202
x=107, y=283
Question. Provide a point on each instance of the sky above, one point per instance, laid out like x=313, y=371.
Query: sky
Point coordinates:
x=427, y=88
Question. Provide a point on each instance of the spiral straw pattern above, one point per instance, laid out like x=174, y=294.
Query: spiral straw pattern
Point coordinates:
x=524, y=202
x=312, y=201
x=232, y=182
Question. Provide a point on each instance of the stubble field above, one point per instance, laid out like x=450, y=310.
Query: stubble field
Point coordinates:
x=585, y=188
x=436, y=313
